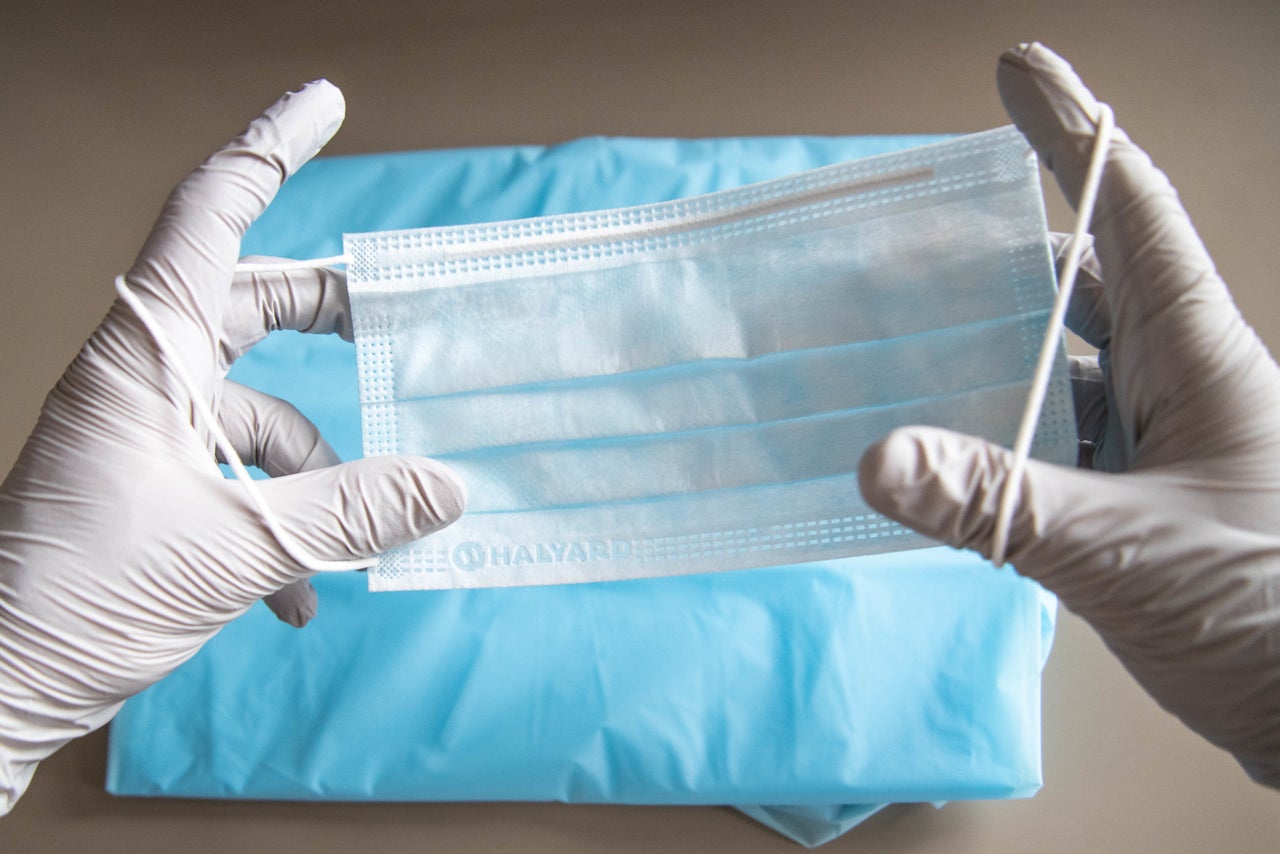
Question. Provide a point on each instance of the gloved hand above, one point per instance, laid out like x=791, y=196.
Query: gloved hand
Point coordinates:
x=1171, y=550
x=122, y=547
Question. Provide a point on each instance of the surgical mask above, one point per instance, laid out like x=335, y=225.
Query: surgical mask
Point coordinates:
x=689, y=386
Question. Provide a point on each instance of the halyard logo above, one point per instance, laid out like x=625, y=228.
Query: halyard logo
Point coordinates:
x=471, y=556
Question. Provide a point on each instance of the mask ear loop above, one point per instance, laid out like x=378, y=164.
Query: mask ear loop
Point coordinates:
x=1012, y=489
x=201, y=407
x=289, y=266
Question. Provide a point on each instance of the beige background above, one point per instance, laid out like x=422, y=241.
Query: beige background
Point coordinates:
x=106, y=105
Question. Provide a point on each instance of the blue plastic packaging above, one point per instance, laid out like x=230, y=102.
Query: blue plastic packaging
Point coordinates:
x=907, y=677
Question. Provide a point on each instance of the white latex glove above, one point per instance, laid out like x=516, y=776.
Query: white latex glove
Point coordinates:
x=122, y=547
x=1176, y=561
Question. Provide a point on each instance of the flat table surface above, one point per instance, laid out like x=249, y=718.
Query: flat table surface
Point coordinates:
x=106, y=106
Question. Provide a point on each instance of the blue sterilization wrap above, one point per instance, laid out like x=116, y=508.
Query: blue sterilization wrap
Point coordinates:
x=908, y=677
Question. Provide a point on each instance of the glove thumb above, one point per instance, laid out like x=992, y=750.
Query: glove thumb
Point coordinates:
x=947, y=485
x=365, y=507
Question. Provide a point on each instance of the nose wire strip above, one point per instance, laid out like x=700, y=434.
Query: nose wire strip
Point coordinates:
x=201, y=407
x=1012, y=489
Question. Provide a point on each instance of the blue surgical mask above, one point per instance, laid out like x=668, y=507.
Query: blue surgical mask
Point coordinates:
x=689, y=386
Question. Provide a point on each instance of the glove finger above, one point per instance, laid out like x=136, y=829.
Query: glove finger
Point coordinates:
x=270, y=433
x=1102, y=445
x=1180, y=332
x=365, y=507
x=1058, y=116
x=185, y=267
x=1089, y=396
x=274, y=436
x=1088, y=313
x=295, y=603
x=1065, y=532
x=308, y=300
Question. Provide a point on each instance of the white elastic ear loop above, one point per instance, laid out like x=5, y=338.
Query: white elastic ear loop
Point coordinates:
x=288, y=266
x=1012, y=490
x=291, y=546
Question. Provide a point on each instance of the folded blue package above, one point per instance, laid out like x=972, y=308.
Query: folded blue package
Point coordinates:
x=904, y=677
